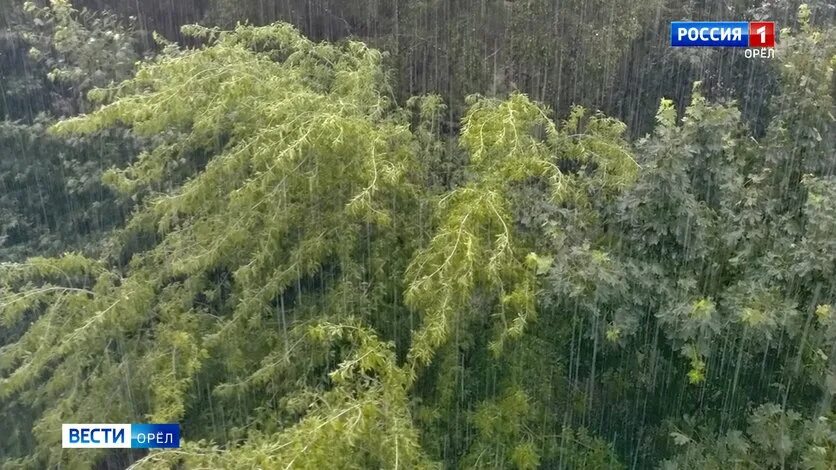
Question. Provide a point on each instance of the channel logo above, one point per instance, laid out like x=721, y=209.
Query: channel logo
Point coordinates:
x=752, y=34
x=120, y=436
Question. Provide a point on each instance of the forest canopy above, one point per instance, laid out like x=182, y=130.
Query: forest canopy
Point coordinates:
x=258, y=236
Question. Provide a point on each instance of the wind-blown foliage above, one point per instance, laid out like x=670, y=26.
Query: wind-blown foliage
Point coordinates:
x=313, y=277
x=293, y=224
x=52, y=196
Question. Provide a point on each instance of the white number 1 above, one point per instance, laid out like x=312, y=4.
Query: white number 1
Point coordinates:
x=762, y=32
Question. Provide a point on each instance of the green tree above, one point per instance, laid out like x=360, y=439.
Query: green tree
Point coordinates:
x=275, y=275
x=315, y=276
x=52, y=197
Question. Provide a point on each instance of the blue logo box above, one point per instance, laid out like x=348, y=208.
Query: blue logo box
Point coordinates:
x=710, y=34
x=116, y=436
x=155, y=436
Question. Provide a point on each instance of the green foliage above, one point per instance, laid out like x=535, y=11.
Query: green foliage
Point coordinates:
x=316, y=277
x=503, y=440
x=307, y=161
x=53, y=198
x=81, y=49
x=579, y=450
x=311, y=177
x=774, y=438
x=474, y=245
